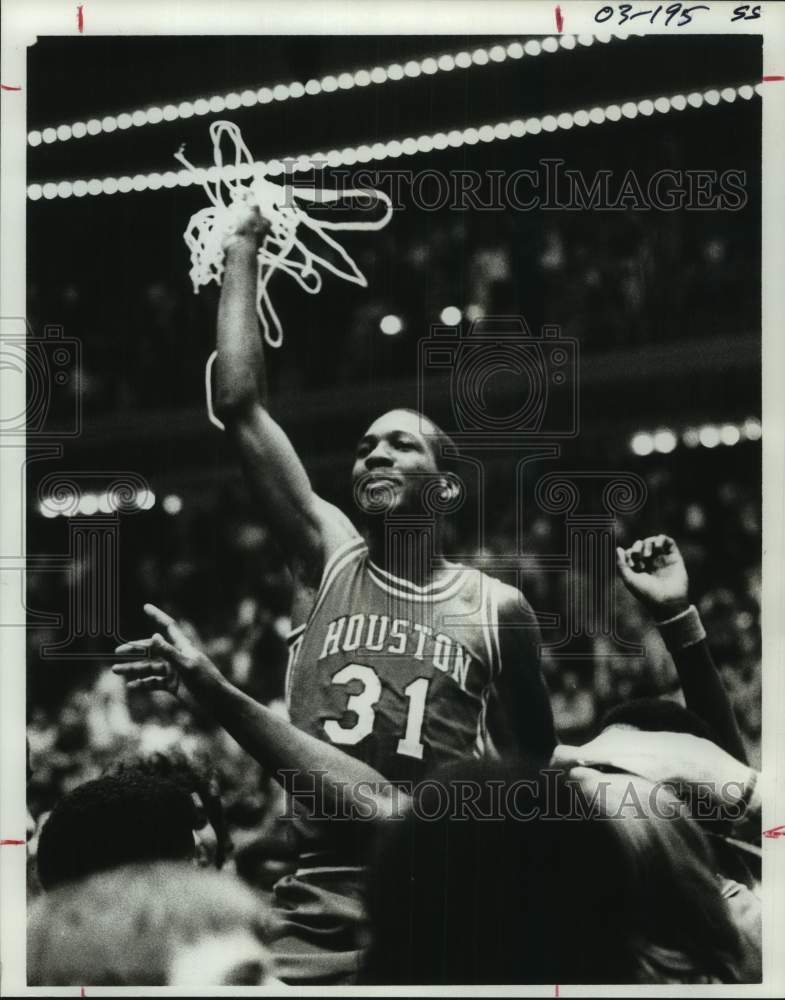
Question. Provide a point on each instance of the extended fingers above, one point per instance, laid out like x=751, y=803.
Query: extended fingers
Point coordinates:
x=137, y=669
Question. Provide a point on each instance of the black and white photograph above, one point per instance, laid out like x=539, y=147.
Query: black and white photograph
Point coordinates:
x=392, y=488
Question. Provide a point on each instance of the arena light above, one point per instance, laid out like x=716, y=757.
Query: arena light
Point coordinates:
x=391, y=325
x=89, y=504
x=709, y=436
x=296, y=89
x=642, y=444
x=450, y=315
x=665, y=441
x=172, y=504
x=751, y=429
x=486, y=132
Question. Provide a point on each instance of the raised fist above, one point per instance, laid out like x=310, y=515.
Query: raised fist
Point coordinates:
x=654, y=573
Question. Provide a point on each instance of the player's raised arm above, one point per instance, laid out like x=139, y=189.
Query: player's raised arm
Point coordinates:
x=653, y=571
x=275, y=474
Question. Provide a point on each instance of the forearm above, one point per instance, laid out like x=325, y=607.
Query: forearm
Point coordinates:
x=704, y=692
x=287, y=751
x=240, y=365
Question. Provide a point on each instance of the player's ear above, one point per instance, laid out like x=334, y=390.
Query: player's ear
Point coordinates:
x=450, y=488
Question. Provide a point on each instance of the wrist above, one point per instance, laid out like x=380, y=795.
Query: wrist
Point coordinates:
x=241, y=244
x=679, y=628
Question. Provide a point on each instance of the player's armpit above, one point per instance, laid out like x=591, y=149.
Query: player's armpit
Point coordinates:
x=522, y=698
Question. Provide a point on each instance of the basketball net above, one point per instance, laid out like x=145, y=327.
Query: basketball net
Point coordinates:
x=227, y=184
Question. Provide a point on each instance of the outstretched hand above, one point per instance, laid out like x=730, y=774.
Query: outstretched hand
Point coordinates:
x=653, y=571
x=247, y=223
x=170, y=659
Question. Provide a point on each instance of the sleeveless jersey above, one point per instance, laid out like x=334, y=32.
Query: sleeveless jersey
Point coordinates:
x=395, y=674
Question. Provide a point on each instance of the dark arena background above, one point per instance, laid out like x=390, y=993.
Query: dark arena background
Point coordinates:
x=662, y=301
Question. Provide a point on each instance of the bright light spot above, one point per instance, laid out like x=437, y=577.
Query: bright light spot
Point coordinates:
x=394, y=72
x=533, y=126
x=105, y=505
x=156, y=115
x=486, y=133
x=712, y=97
x=145, y=499
x=450, y=316
x=745, y=92
x=429, y=66
x=88, y=504
x=217, y=105
x=80, y=189
x=662, y=104
x=281, y=92
x=515, y=50
x=34, y=192
x=564, y=120
x=50, y=191
x=473, y=312
x=691, y=438
x=93, y=128
x=46, y=510
x=463, y=60
x=362, y=78
x=34, y=138
x=728, y=94
x=665, y=441
x=567, y=41
x=296, y=89
x=139, y=183
x=109, y=185
x=390, y=325
x=64, y=189
x=729, y=434
x=446, y=63
x=50, y=135
x=94, y=186
x=471, y=136
x=169, y=179
x=550, y=45
x=264, y=95
x=695, y=100
x=125, y=121
x=597, y=115
x=709, y=436
x=424, y=144
x=248, y=98
x=759, y=89
x=549, y=123
x=532, y=48
x=752, y=429
x=346, y=81
x=581, y=118
x=613, y=113
x=379, y=151
x=313, y=87
x=629, y=109
x=412, y=68
x=678, y=102
x=409, y=146
x=517, y=128
x=154, y=182
x=455, y=138
x=642, y=444
x=124, y=185
x=646, y=107
x=171, y=114
x=502, y=131
x=439, y=141
x=172, y=504
x=498, y=53
x=329, y=84
x=585, y=39
x=480, y=57
x=63, y=132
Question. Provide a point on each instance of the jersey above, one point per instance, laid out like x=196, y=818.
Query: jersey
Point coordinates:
x=396, y=674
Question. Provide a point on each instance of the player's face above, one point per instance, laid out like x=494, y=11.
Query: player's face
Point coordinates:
x=393, y=463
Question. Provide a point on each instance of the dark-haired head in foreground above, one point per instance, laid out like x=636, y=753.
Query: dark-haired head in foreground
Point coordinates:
x=545, y=900
x=115, y=820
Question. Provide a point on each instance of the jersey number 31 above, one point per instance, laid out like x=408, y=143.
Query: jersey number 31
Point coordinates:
x=363, y=705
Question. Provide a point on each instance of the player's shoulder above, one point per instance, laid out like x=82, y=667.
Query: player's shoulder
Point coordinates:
x=511, y=603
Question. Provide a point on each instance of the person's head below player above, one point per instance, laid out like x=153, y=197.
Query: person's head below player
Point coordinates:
x=401, y=466
x=162, y=924
x=115, y=820
x=528, y=888
x=656, y=715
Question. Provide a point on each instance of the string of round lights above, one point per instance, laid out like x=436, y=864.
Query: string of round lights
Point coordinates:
x=377, y=75
x=395, y=148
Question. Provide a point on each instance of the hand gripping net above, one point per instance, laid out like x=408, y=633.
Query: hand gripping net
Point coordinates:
x=282, y=249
